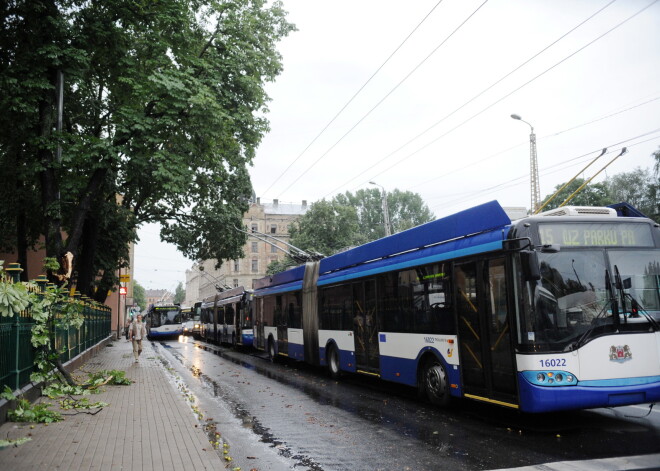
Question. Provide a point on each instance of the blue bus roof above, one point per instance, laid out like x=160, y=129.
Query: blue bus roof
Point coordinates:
x=486, y=217
x=482, y=218
x=288, y=276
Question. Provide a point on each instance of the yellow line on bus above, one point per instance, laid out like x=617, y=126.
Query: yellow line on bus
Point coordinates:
x=493, y=401
x=368, y=373
x=283, y=354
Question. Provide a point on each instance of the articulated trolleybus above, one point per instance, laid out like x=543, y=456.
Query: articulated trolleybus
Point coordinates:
x=552, y=312
x=227, y=318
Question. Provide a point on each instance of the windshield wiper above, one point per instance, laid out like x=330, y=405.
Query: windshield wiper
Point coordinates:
x=615, y=305
x=635, y=306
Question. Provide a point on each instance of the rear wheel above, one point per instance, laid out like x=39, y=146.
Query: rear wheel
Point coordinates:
x=271, y=349
x=435, y=383
x=332, y=359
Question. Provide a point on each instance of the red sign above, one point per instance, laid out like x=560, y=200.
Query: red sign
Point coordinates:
x=123, y=290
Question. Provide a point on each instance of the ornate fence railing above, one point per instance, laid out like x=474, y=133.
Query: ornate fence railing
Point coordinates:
x=16, y=350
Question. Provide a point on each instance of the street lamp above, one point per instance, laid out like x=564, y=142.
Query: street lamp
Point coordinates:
x=386, y=214
x=533, y=166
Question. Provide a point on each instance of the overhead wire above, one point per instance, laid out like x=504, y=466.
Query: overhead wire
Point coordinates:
x=539, y=139
x=383, y=99
x=410, y=141
x=355, y=95
x=515, y=90
x=547, y=170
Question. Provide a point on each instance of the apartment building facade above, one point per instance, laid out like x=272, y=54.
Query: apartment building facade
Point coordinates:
x=270, y=219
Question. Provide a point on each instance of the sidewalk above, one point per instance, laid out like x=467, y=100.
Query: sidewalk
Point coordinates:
x=146, y=426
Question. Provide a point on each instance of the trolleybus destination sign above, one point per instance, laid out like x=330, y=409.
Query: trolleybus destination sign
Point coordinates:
x=596, y=234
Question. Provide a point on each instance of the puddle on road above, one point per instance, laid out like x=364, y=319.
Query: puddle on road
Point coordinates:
x=247, y=420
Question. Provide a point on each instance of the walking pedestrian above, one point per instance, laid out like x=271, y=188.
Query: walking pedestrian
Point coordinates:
x=137, y=331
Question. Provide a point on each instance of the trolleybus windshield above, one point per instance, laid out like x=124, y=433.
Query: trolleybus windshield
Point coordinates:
x=165, y=316
x=573, y=297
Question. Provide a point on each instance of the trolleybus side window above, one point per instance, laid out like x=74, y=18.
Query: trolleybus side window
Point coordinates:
x=268, y=311
x=293, y=310
x=336, y=308
x=417, y=300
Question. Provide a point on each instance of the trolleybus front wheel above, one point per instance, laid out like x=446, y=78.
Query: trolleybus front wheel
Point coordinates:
x=435, y=383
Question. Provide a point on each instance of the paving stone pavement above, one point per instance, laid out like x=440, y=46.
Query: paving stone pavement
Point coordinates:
x=146, y=426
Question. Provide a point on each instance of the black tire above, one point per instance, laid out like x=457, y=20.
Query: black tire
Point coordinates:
x=332, y=360
x=271, y=349
x=435, y=383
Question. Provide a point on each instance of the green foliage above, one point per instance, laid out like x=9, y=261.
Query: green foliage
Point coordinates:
x=109, y=377
x=164, y=105
x=638, y=188
x=7, y=394
x=278, y=266
x=57, y=389
x=351, y=219
x=83, y=403
x=405, y=208
x=179, y=293
x=16, y=442
x=139, y=296
x=594, y=194
x=28, y=412
x=14, y=297
x=327, y=228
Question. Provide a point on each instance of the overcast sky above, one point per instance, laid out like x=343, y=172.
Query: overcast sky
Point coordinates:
x=418, y=96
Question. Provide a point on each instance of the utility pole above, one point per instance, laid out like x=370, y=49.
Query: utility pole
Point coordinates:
x=386, y=213
x=533, y=167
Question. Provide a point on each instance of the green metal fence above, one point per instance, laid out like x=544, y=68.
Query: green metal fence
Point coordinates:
x=16, y=350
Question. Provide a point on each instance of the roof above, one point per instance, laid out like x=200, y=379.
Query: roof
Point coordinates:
x=285, y=208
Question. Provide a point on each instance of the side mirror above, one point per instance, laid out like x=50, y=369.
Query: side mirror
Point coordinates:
x=529, y=262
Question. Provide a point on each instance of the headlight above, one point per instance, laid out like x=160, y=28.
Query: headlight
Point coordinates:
x=550, y=378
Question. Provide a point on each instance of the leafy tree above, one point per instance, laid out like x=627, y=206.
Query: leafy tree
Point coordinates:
x=278, y=266
x=406, y=209
x=352, y=219
x=637, y=188
x=139, y=296
x=179, y=293
x=594, y=194
x=164, y=108
x=327, y=227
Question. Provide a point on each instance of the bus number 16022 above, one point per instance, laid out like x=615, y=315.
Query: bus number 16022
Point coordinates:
x=552, y=362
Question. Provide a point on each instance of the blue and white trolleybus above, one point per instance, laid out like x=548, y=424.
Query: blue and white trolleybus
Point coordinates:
x=555, y=311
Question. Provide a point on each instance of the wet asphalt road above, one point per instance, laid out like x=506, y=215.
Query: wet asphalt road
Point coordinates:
x=285, y=415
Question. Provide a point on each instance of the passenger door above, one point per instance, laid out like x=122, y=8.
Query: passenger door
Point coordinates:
x=365, y=329
x=486, y=353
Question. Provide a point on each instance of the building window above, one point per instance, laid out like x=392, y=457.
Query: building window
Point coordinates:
x=255, y=266
x=273, y=228
x=236, y=265
x=273, y=249
x=255, y=227
x=255, y=247
x=235, y=282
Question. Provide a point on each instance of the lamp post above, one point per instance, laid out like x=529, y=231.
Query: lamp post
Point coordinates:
x=533, y=166
x=386, y=213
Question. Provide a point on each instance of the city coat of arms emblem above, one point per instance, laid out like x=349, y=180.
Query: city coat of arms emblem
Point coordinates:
x=620, y=353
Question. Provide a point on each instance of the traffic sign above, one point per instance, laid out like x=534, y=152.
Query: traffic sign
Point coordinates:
x=125, y=278
x=123, y=290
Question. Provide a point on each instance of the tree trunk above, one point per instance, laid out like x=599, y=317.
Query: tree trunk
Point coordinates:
x=85, y=263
